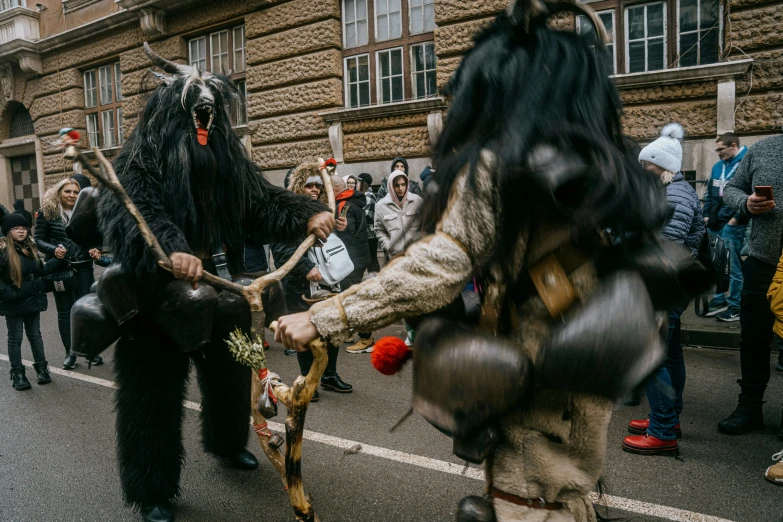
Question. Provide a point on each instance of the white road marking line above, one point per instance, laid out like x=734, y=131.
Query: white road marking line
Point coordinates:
x=625, y=504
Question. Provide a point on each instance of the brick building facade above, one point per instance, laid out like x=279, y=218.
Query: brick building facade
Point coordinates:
x=357, y=79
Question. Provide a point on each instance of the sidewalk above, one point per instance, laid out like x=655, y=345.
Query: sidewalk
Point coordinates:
x=709, y=332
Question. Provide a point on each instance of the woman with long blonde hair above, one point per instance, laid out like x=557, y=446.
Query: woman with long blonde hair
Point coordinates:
x=23, y=297
x=52, y=240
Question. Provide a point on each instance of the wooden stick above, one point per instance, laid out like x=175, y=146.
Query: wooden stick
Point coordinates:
x=296, y=400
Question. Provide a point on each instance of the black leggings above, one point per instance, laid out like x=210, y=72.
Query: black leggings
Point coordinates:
x=64, y=302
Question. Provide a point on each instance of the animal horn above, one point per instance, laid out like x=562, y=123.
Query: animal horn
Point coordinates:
x=573, y=6
x=522, y=12
x=167, y=65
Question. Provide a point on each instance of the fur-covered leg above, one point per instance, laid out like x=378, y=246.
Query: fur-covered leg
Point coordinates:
x=225, y=402
x=553, y=448
x=151, y=378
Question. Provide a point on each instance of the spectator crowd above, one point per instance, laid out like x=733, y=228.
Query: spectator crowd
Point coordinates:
x=374, y=225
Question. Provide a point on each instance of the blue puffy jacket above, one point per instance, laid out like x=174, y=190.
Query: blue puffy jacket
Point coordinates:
x=686, y=224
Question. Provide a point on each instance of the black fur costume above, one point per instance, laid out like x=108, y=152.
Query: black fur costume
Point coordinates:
x=194, y=198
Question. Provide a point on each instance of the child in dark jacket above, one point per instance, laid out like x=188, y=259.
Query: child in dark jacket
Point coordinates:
x=23, y=297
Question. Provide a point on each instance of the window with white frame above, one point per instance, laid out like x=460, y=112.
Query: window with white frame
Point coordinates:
x=357, y=74
x=423, y=79
x=422, y=16
x=102, y=106
x=645, y=35
x=388, y=51
x=223, y=52
x=699, y=32
x=355, y=24
x=390, y=76
x=388, y=20
x=585, y=28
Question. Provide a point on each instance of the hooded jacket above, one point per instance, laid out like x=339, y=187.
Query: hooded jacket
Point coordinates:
x=295, y=284
x=50, y=230
x=686, y=224
x=397, y=228
x=412, y=186
x=355, y=235
x=714, y=208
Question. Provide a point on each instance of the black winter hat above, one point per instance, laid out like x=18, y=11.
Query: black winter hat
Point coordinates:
x=367, y=178
x=82, y=180
x=13, y=220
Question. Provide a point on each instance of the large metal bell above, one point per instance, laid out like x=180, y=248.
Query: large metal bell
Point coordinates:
x=463, y=379
x=232, y=310
x=118, y=293
x=187, y=315
x=83, y=227
x=92, y=327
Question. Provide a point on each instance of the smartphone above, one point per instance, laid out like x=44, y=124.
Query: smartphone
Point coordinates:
x=764, y=191
x=344, y=211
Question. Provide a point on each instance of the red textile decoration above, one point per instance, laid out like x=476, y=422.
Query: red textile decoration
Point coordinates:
x=331, y=162
x=390, y=355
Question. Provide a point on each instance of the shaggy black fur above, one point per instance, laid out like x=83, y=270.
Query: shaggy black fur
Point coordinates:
x=194, y=198
x=516, y=89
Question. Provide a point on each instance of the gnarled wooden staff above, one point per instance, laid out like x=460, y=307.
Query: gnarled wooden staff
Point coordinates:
x=295, y=398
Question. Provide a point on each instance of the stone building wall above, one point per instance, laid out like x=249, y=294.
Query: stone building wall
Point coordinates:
x=294, y=74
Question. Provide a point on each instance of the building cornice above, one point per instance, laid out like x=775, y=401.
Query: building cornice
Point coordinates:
x=389, y=109
x=697, y=73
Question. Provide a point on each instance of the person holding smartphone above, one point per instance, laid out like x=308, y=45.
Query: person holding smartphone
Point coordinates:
x=752, y=192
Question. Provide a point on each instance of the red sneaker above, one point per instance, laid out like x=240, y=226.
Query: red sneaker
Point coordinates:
x=639, y=427
x=649, y=445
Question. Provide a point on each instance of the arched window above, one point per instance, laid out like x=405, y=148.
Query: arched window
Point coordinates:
x=21, y=123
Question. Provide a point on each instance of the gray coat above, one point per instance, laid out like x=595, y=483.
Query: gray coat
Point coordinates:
x=762, y=165
x=397, y=228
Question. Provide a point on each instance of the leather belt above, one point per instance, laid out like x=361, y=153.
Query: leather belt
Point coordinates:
x=532, y=503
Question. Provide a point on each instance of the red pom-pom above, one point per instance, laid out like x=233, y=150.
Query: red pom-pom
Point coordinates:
x=74, y=135
x=390, y=355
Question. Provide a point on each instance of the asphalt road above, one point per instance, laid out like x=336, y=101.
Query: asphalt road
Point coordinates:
x=57, y=458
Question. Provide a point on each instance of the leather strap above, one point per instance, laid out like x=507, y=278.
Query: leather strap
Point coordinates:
x=550, y=278
x=532, y=503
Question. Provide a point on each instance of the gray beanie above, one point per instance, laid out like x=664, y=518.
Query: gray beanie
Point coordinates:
x=666, y=151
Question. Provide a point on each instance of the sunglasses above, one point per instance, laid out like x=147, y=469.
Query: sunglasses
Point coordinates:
x=311, y=185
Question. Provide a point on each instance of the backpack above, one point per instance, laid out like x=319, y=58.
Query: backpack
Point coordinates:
x=332, y=260
x=714, y=255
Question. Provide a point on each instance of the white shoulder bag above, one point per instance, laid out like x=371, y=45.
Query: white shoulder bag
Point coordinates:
x=332, y=260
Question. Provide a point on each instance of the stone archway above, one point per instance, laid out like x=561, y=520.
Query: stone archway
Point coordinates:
x=21, y=165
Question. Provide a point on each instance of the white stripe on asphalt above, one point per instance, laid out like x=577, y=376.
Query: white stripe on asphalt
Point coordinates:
x=624, y=504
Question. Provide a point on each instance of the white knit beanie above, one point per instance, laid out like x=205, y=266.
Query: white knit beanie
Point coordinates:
x=666, y=151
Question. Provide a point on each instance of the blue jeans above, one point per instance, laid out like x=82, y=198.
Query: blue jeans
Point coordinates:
x=733, y=237
x=664, y=389
x=16, y=326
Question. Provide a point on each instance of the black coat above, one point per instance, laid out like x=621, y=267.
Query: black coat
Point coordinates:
x=295, y=283
x=51, y=232
x=31, y=296
x=355, y=236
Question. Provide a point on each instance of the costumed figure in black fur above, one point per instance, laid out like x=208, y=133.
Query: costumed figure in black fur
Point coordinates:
x=540, y=198
x=202, y=197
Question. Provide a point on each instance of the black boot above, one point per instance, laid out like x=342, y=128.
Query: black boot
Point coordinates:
x=18, y=379
x=157, y=513
x=748, y=415
x=243, y=460
x=475, y=509
x=42, y=369
x=70, y=362
x=335, y=383
x=96, y=361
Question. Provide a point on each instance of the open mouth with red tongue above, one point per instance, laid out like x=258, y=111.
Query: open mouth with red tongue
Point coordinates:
x=202, y=120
